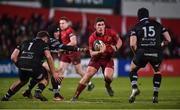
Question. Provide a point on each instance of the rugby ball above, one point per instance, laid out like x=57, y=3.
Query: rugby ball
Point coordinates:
x=97, y=45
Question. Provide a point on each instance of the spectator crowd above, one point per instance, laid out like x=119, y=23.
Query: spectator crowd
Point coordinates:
x=14, y=30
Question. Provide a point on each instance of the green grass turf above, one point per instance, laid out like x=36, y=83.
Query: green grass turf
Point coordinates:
x=169, y=97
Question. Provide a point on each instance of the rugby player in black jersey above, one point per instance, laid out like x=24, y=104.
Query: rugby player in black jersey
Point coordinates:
x=146, y=41
x=55, y=47
x=28, y=58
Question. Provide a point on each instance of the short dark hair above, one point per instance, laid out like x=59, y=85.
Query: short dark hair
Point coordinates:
x=99, y=19
x=42, y=34
x=143, y=13
x=64, y=18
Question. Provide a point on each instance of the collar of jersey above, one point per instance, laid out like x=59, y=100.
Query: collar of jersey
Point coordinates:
x=143, y=19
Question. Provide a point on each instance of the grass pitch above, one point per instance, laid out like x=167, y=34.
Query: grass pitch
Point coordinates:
x=169, y=97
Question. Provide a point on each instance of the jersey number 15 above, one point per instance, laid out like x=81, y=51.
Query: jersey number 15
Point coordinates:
x=149, y=31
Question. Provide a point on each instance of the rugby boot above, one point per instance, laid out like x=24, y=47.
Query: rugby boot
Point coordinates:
x=58, y=97
x=27, y=93
x=109, y=90
x=155, y=99
x=90, y=87
x=134, y=93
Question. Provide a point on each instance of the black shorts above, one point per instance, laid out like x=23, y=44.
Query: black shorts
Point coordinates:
x=37, y=73
x=152, y=56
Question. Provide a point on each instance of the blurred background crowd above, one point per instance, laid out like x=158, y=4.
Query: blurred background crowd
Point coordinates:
x=15, y=29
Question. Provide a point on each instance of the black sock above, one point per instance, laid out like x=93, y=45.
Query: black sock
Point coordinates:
x=107, y=82
x=40, y=88
x=133, y=76
x=9, y=94
x=79, y=89
x=156, y=82
x=15, y=88
x=32, y=83
x=55, y=85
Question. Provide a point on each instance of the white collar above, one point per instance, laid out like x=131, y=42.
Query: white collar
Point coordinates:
x=143, y=19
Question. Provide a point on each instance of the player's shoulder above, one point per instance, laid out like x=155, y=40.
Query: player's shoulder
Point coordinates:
x=69, y=30
x=138, y=24
x=39, y=42
x=26, y=42
x=23, y=43
x=93, y=35
x=111, y=31
x=154, y=22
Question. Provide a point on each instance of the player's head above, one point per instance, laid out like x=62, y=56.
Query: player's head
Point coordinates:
x=100, y=25
x=143, y=13
x=63, y=23
x=44, y=35
x=56, y=33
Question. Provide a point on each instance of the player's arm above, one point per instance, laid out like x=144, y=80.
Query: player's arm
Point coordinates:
x=102, y=50
x=118, y=44
x=91, y=51
x=73, y=40
x=72, y=48
x=49, y=60
x=14, y=55
x=167, y=38
x=51, y=64
x=55, y=44
x=133, y=43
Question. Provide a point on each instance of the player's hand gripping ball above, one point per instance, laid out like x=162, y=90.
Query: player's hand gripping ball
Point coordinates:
x=97, y=45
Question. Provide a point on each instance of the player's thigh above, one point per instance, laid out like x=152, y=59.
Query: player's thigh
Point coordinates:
x=24, y=75
x=132, y=66
x=65, y=58
x=75, y=59
x=40, y=73
x=156, y=61
x=139, y=58
x=156, y=64
x=90, y=72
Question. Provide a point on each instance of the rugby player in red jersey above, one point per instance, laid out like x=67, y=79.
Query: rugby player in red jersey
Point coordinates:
x=103, y=58
x=68, y=37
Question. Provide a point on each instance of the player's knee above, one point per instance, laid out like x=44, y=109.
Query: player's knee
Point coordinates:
x=47, y=81
x=134, y=70
x=44, y=81
x=156, y=71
